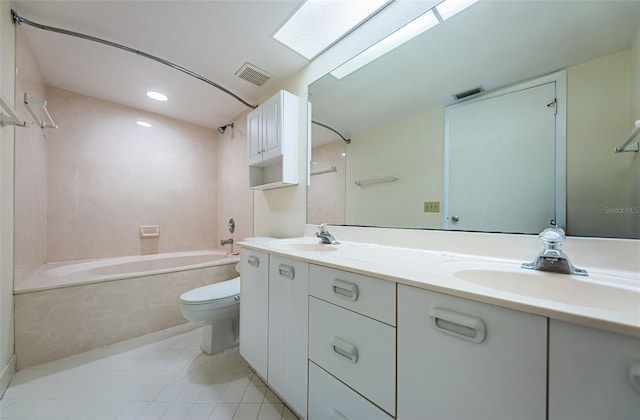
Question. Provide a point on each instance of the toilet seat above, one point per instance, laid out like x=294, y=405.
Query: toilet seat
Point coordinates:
x=220, y=292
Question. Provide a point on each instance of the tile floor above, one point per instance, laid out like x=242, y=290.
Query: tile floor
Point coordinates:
x=160, y=376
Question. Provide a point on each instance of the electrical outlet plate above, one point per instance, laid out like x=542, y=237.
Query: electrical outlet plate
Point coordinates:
x=432, y=207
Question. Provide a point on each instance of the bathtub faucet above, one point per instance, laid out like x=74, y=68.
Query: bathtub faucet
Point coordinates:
x=229, y=241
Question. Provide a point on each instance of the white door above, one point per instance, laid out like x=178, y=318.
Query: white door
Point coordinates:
x=502, y=170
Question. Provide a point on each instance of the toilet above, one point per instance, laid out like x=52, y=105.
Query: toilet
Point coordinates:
x=217, y=306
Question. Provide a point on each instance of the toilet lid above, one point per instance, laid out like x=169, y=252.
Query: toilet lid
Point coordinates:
x=212, y=292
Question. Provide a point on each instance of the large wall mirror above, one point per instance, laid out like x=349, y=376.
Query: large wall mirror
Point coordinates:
x=408, y=132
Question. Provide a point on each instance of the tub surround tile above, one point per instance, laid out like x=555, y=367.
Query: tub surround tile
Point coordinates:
x=57, y=323
x=31, y=151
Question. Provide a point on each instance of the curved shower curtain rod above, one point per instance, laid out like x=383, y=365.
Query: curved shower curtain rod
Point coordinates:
x=17, y=19
x=20, y=20
x=348, y=141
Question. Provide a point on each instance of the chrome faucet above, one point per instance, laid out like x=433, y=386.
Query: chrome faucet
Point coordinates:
x=325, y=236
x=229, y=241
x=552, y=258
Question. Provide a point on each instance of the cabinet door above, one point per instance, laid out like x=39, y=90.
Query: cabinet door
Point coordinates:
x=590, y=373
x=468, y=360
x=254, y=128
x=271, y=127
x=288, y=330
x=254, y=289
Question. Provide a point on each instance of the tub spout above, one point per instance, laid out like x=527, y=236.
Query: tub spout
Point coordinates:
x=229, y=241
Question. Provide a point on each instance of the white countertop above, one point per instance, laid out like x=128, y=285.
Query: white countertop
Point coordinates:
x=607, y=299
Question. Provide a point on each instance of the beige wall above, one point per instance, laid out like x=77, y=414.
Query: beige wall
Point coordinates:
x=31, y=151
x=7, y=88
x=326, y=194
x=598, y=118
x=107, y=176
x=382, y=152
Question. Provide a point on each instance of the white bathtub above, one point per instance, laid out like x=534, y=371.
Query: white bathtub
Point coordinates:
x=74, y=273
x=68, y=308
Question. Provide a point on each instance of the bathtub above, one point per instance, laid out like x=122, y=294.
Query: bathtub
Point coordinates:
x=68, y=308
x=66, y=274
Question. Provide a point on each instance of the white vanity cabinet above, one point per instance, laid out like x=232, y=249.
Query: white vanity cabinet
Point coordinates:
x=352, y=345
x=272, y=142
x=288, y=330
x=331, y=399
x=459, y=358
x=254, y=304
x=591, y=373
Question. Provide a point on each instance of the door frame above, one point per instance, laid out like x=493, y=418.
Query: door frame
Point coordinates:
x=560, y=176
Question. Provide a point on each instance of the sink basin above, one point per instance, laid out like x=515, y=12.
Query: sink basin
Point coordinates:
x=301, y=245
x=598, y=291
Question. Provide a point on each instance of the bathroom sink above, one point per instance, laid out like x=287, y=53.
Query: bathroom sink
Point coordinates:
x=301, y=245
x=597, y=291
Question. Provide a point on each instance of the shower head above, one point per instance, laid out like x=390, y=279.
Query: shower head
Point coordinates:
x=222, y=129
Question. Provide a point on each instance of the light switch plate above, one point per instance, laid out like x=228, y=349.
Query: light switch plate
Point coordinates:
x=432, y=207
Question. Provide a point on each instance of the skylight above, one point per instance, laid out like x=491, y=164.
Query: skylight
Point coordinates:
x=318, y=24
x=424, y=22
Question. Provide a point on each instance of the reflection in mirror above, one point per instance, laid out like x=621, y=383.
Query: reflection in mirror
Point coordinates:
x=394, y=109
x=326, y=192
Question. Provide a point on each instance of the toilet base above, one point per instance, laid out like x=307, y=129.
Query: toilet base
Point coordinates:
x=220, y=336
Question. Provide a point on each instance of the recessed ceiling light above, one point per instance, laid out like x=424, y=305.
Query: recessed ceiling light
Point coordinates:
x=143, y=124
x=409, y=31
x=318, y=24
x=157, y=96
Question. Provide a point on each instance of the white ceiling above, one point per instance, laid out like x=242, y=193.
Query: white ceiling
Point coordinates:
x=212, y=38
x=493, y=43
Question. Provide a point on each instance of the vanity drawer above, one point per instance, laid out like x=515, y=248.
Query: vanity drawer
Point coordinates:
x=331, y=399
x=366, y=295
x=359, y=351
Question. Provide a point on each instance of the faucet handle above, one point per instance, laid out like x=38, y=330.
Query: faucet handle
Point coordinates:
x=323, y=228
x=552, y=237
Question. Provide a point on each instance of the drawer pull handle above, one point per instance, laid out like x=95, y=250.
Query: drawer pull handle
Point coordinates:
x=336, y=415
x=634, y=376
x=345, y=289
x=254, y=261
x=344, y=349
x=459, y=325
x=286, y=271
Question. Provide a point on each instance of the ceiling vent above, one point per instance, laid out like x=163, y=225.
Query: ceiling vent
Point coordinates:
x=252, y=74
x=468, y=93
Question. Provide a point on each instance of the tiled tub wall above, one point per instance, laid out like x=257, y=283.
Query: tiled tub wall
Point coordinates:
x=56, y=323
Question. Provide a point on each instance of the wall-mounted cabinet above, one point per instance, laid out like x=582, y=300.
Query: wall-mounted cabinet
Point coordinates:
x=272, y=142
